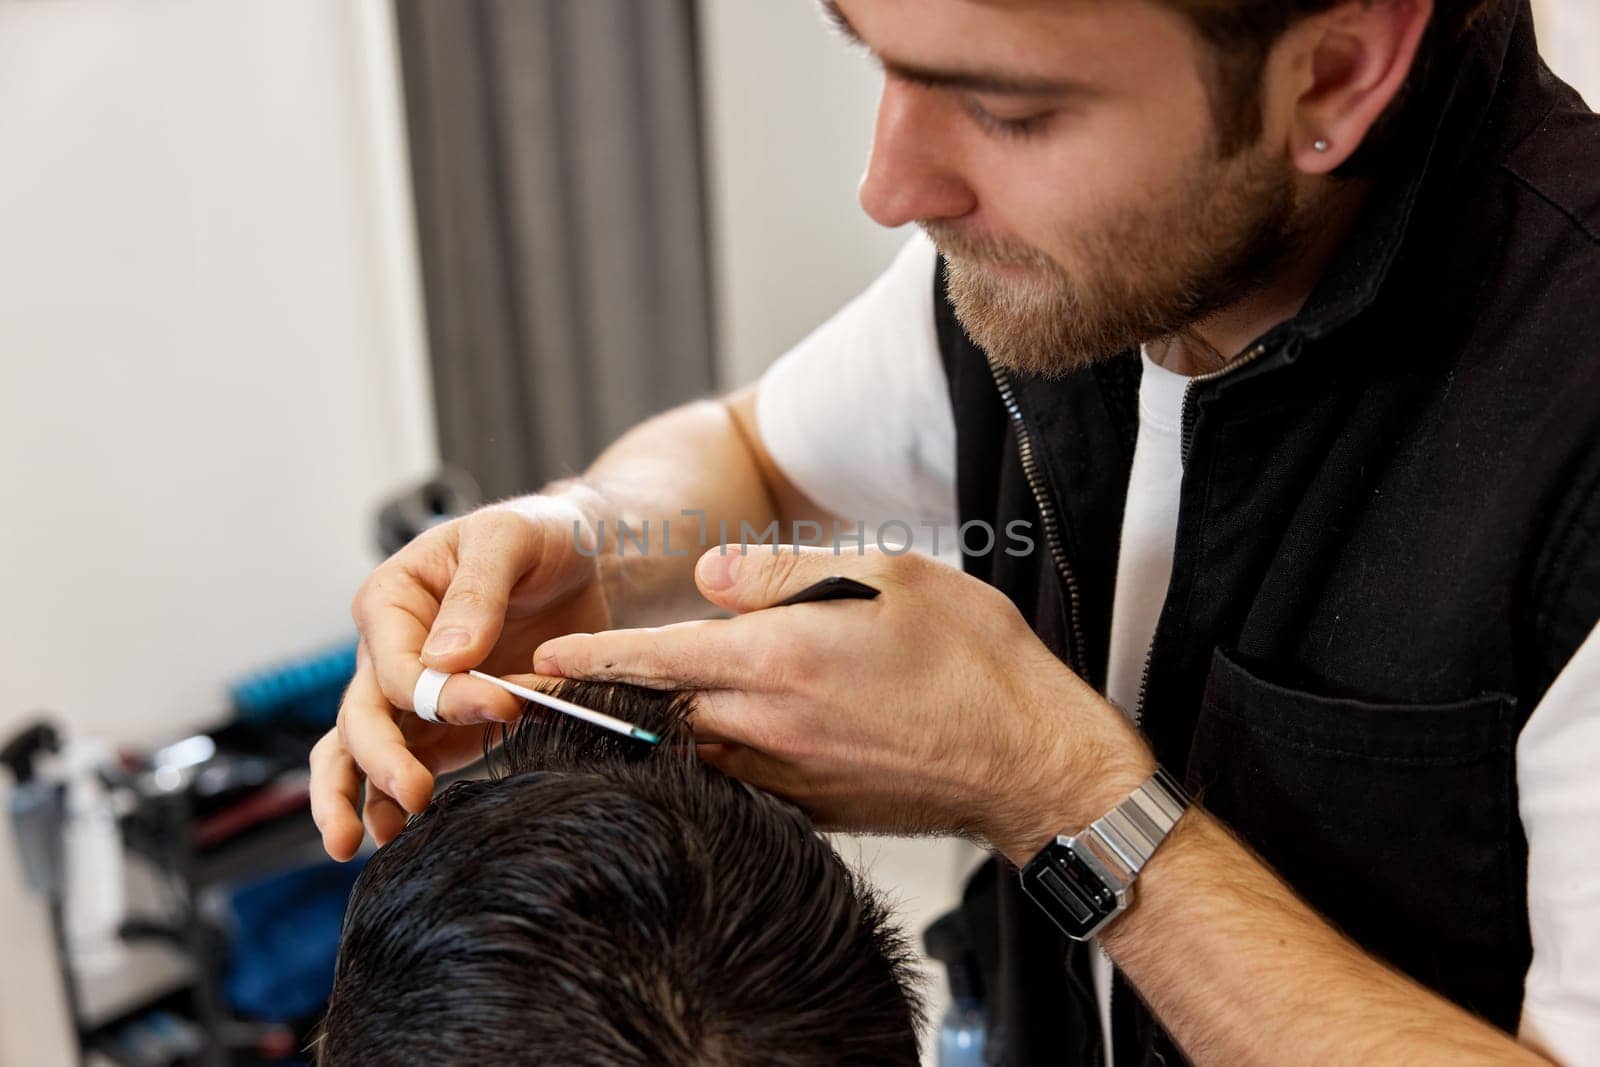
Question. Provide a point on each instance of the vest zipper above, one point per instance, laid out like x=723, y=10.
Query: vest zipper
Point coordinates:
x=1245, y=360
x=1047, y=516
x=1052, y=540
x=1052, y=531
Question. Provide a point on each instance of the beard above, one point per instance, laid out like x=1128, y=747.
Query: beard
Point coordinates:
x=1150, y=273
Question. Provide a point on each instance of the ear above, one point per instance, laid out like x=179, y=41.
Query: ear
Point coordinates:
x=1350, y=63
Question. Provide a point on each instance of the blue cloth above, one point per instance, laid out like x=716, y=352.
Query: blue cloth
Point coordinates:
x=286, y=939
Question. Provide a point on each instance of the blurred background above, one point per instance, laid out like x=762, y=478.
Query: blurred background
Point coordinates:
x=265, y=269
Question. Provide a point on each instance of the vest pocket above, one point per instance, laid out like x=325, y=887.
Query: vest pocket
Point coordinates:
x=1396, y=821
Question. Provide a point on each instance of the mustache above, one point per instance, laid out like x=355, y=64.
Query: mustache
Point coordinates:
x=958, y=244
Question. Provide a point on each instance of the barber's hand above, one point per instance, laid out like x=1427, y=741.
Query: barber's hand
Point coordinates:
x=931, y=709
x=480, y=591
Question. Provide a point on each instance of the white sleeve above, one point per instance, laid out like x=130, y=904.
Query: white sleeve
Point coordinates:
x=858, y=414
x=1558, y=787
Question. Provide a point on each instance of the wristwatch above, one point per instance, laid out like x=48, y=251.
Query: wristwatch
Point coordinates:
x=1084, y=882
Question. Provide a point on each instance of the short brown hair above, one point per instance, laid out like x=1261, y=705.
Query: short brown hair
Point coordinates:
x=1242, y=32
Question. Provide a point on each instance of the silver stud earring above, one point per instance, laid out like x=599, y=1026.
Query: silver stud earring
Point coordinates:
x=1320, y=145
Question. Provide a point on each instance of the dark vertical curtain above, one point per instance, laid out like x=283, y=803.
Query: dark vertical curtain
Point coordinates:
x=556, y=157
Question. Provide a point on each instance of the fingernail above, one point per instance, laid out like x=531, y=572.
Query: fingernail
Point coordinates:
x=547, y=665
x=718, y=570
x=446, y=641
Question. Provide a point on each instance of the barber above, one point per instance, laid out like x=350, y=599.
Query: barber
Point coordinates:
x=1257, y=367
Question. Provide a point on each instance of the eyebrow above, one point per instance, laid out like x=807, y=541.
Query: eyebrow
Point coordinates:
x=973, y=81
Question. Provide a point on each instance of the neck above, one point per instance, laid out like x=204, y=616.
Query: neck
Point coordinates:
x=1217, y=340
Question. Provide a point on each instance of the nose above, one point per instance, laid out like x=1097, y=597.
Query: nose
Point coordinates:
x=906, y=177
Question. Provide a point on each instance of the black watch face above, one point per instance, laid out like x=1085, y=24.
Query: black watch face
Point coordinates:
x=1069, y=891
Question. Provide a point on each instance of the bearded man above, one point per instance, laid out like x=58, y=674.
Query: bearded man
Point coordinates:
x=1247, y=356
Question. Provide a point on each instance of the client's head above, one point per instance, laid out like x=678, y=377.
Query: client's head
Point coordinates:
x=606, y=902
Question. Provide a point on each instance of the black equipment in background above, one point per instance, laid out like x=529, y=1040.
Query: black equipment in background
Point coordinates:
x=449, y=493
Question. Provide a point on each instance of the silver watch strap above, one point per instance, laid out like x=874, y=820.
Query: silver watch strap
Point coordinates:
x=1127, y=835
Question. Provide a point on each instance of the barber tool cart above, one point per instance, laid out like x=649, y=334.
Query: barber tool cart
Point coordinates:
x=193, y=917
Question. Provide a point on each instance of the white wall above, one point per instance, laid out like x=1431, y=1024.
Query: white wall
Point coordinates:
x=210, y=365
x=1569, y=38
x=789, y=115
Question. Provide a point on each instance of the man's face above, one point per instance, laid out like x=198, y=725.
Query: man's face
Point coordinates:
x=1063, y=156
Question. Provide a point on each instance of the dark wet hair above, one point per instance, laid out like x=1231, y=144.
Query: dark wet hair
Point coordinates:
x=601, y=901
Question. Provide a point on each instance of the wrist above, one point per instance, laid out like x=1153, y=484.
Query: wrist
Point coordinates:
x=642, y=562
x=1195, y=831
x=1085, y=880
x=574, y=500
x=1082, y=774
x=564, y=521
x=588, y=517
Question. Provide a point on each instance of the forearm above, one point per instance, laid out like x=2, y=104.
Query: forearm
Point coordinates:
x=1236, y=966
x=664, y=492
x=1240, y=970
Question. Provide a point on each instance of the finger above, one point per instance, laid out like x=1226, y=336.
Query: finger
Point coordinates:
x=469, y=701
x=393, y=611
x=755, y=768
x=463, y=700
x=745, y=579
x=704, y=654
x=496, y=548
x=727, y=718
x=335, y=794
x=390, y=616
x=371, y=737
x=383, y=817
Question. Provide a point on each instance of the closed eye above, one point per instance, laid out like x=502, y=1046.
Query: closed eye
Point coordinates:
x=1007, y=126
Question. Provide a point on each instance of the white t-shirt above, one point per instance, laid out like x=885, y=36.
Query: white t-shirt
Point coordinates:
x=858, y=417
x=1144, y=567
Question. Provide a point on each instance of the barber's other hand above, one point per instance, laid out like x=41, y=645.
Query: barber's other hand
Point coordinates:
x=480, y=591
x=932, y=709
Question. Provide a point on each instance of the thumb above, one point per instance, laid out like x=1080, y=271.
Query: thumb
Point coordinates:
x=495, y=551
x=747, y=578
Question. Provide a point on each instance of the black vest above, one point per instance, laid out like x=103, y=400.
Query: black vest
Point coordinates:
x=1388, y=545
